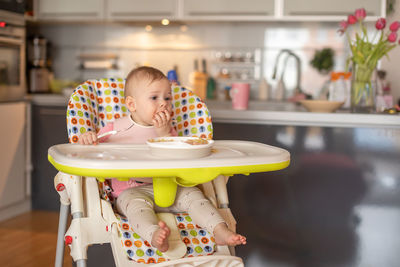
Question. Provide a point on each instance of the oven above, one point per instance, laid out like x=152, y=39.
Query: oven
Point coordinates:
x=12, y=56
x=17, y=6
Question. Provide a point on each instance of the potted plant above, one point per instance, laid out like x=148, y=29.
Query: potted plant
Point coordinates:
x=323, y=60
x=365, y=54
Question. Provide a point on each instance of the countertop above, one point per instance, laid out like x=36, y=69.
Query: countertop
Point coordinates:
x=284, y=113
x=267, y=113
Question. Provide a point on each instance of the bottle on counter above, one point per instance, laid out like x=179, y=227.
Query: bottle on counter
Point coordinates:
x=173, y=77
x=198, y=81
x=263, y=90
x=384, y=98
x=211, y=88
x=227, y=90
x=280, y=90
x=339, y=88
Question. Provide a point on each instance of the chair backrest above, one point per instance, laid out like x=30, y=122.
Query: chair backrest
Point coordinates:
x=94, y=103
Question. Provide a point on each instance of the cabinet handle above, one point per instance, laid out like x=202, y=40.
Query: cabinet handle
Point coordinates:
x=141, y=14
x=10, y=40
x=66, y=14
x=52, y=112
x=228, y=13
x=321, y=13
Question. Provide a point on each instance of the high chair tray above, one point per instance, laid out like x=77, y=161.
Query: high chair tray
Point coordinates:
x=124, y=161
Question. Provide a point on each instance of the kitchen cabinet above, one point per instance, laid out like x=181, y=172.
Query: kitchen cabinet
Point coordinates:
x=206, y=10
x=48, y=129
x=69, y=10
x=224, y=9
x=330, y=8
x=141, y=10
x=14, y=163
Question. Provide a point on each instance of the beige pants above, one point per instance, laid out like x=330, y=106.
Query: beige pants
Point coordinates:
x=137, y=205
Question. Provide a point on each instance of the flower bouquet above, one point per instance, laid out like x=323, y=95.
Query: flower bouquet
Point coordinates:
x=365, y=54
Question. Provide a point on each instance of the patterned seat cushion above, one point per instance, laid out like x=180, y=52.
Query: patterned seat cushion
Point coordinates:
x=198, y=241
x=191, y=115
x=95, y=103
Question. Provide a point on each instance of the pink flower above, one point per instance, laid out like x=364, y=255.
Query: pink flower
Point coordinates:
x=351, y=19
x=343, y=25
x=392, y=37
x=380, y=24
x=394, y=26
x=360, y=14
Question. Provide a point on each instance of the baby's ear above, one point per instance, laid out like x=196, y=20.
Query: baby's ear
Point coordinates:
x=130, y=103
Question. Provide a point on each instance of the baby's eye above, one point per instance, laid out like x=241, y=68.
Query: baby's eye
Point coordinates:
x=168, y=98
x=153, y=98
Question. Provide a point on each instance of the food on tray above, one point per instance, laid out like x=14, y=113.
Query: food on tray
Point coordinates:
x=195, y=142
x=190, y=141
x=160, y=140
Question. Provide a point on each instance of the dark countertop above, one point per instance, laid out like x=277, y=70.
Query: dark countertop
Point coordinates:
x=267, y=113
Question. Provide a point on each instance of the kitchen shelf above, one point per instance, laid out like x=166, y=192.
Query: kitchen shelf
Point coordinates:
x=98, y=61
x=240, y=64
x=223, y=80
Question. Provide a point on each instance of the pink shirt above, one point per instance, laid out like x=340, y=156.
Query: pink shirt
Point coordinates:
x=137, y=134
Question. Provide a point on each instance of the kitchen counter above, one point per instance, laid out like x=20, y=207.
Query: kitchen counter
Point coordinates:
x=267, y=113
x=283, y=113
x=48, y=99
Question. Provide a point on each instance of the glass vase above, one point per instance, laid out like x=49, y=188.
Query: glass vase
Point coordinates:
x=363, y=87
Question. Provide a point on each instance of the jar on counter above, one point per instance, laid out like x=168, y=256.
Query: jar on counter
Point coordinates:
x=339, y=87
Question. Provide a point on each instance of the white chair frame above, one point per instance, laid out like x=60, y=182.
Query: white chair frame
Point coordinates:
x=94, y=222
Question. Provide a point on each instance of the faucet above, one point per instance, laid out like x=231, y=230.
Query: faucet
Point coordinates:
x=289, y=53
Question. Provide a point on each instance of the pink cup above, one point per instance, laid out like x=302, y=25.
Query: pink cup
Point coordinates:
x=240, y=95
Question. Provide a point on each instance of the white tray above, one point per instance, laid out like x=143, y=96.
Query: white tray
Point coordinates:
x=128, y=156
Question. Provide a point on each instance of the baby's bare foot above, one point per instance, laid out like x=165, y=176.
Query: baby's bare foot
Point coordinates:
x=160, y=237
x=224, y=236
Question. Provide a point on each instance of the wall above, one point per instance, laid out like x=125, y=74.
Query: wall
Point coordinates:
x=165, y=47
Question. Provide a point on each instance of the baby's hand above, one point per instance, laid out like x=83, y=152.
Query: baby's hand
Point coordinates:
x=162, y=122
x=88, y=138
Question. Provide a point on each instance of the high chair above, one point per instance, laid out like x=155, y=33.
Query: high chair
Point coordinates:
x=92, y=105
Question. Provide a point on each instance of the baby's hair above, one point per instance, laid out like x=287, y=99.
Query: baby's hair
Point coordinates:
x=139, y=74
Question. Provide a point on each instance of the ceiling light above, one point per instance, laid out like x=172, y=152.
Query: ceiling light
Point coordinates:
x=165, y=22
x=148, y=28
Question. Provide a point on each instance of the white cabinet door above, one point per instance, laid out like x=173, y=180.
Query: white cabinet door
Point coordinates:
x=70, y=10
x=141, y=10
x=12, y=157
x=330, y=8
x=228, y=8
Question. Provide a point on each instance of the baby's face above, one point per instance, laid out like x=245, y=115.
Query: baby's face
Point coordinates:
x=151, y=99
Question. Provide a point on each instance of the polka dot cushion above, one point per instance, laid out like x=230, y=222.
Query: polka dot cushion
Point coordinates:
x=198, y=241
x=191, y=116
x=96, y=102
x=93, y=104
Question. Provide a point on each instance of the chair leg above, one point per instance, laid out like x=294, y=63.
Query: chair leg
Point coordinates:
x=62, y=227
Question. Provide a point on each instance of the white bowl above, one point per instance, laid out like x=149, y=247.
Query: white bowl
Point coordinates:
x=323, y=106
x=178, y=147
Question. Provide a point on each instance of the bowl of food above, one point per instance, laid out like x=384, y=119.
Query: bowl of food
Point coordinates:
x=323, y=106
x=179, y=147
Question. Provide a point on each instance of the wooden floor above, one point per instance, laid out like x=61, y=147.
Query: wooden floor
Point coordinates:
x=30, y=240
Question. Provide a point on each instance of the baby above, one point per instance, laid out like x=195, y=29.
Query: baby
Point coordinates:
x=148, y=97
